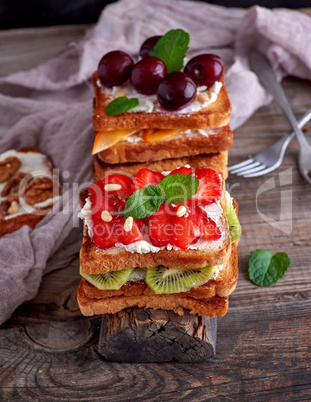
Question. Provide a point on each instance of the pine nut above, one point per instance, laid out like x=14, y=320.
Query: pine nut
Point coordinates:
x=181, y=211
x=112, y=187
x=202, y=98
x=13, y=208
x=128, y=224
x=106, y=216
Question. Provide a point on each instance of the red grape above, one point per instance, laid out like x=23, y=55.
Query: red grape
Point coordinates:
x=205, y=69
x=148, y=45
x=176, y=90
x=146, y=75
x=114, y=68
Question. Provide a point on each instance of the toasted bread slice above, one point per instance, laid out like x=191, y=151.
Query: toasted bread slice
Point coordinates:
x=223, y=284
x=180, y=145
x=179, y=304
x=216, y=114
x=214, y=161
x=12, y=214
x=94, y=260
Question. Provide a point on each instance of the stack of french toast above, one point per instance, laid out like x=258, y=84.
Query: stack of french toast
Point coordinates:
x=160, y=230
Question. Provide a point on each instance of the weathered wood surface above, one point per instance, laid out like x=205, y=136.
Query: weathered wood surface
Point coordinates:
x=144, y=335
x=263, y=343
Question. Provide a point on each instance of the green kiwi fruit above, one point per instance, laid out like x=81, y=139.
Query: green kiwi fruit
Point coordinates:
x=173, y=280
x=110, y=280
x=234, y=224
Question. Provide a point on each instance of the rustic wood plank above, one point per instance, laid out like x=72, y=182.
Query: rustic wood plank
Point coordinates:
x=22, y=49
x=263, y=352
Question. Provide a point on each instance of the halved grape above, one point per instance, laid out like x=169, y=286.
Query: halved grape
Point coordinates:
x=146, y=75
x=148, y=45
x=176, y=90
x=205, y=69
x=114, y=68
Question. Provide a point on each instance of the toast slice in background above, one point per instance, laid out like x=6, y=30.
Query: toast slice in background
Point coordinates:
x=216, y=161
x=216, y=114
x=38, y=193
x=189, y=143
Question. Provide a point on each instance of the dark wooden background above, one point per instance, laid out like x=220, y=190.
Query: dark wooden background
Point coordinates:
x=48, y=351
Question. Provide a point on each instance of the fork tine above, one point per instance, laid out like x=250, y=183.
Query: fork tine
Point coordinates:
x=238, y=165
x=245, y=168
x=261, y=173
x=252, y=171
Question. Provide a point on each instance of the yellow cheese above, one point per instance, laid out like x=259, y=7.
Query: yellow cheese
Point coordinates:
x=106, y=139
x=156, y=135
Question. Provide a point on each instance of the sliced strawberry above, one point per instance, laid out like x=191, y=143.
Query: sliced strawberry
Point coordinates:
x=128, y=237
x=183, y=170
x=97, y=189
x=209, y=187
x=186, y=229
x=161, y=226
x=192, y=226
x=207, y=227
x=145, y=177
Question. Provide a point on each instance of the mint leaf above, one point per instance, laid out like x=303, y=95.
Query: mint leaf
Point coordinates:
x=140, y=205
x=157, y=198
x=172, y=189
x=172, y=48
x=178, y=187
x=121, y=105
x=265, y=269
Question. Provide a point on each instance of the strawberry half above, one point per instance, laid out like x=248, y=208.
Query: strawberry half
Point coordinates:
x=144, y=178
x=192, y=226
x=97, y=190
x=161, y=226
x=104, y=235
x=128, y=237
x=209, y=187
x=183, y=170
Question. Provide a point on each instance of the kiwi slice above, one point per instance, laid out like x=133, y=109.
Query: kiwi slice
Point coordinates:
x=110, y=280
x=234, y=224
x=173, y=280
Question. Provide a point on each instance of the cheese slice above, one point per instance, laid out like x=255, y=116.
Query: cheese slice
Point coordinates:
x=156, y=135
x=106, y=139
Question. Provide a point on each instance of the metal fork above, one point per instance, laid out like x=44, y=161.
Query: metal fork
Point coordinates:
x=261, y=66
x=269, y=159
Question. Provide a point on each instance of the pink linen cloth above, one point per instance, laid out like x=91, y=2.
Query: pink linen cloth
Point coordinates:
x=50, y=107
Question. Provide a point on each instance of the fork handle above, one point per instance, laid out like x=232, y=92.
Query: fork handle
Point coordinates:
x=266, y=75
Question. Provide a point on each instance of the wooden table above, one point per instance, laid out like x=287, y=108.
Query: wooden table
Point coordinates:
x=48, y=350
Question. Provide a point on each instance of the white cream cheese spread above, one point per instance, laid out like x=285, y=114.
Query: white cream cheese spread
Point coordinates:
x=149, y=103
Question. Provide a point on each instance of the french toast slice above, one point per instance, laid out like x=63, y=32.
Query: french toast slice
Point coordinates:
x=189, y=143
x=222, y=284
x=211, y=307
x=215, y=114
x=94, y=260
x=217, y=161
x=37, y=193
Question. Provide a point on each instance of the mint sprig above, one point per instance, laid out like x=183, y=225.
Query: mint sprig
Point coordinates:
x=265, y=269
x=172, y=48
x=173, y=189
x=121, y=105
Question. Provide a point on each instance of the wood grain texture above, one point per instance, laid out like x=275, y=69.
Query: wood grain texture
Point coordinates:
x=263, y=345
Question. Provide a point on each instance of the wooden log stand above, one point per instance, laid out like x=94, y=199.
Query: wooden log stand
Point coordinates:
x=138, y=335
